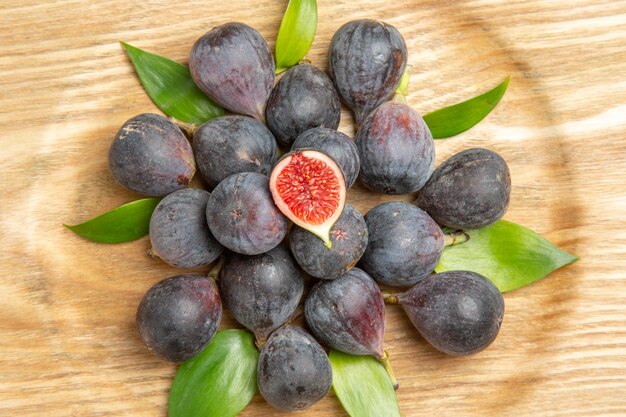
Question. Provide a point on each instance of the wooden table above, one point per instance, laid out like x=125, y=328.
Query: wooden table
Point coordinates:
x=68, y=345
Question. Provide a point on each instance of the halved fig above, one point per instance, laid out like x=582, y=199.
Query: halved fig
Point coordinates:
x=309, y=188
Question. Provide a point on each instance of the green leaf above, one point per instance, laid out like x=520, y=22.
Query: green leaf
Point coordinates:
x=296, y=33
x=510, y=255
x=123, y=224
x=363, y=386
x=170, y=86
x=458, y=118
x=218, y=382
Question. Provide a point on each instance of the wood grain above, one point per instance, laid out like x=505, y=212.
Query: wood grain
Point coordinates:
x=68, y=345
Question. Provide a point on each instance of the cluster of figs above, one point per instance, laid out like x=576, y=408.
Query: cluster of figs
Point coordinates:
x=246, y=220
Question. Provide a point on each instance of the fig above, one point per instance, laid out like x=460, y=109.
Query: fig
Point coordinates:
x=231, y=144
x=348, y=314
x=233, y=65
x=242, y=216
x=304, y=98
x=396, y=150
x=404, y=244
x=150, y=155
x=458, y=312
x=262, y=291
x=309, y=188
x=178, y=317
x=335, y=144
x=294, y=371
x=349, y=240
x=366, y=60
x=468, y=191
x=179, y=233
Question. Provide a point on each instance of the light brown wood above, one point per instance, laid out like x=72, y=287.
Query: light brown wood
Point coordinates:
x=68, y=345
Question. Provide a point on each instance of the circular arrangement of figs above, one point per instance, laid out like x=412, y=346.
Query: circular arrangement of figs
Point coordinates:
x=280, y=228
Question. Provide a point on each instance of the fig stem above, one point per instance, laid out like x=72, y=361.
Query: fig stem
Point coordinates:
x=385, y=362
x=214, y=273
x=455, y=238
x=390, y=298
x=188, y=128
x=403, y=87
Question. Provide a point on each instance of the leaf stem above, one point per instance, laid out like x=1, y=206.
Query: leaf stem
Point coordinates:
x=455, y=238
x=385, y=361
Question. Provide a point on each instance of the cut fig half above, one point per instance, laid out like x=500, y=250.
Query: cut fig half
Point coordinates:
x=309, y=188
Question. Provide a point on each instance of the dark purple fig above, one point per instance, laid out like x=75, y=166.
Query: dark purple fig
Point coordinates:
x=396, y=150
x=304, y=98
x=179, y=233
x=404, y=244
x=242, y=215
x=178, y=316
x=366, y=60
x=335, y=144
x=458, y=312
x=294, y=371
x=233, y=65
x=348, y=314
x=349, y=240
x=262, y=291
x=468, y=191
x=231, y=144
x=151, y=156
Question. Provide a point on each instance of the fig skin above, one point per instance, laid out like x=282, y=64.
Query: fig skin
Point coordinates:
x=304, y=98
x=366, y=60
x=294, y=371
x=151, y=156
x=262, y=291
x=234, y=66
x=470, y=190
x=178, y=317
x=396, y=150
x=242, y=215
x=179, y=233
x=335, y=144
x=458, y=312
x=349, y=240
x=404, y=244
x=348, y=314
x=231, y=144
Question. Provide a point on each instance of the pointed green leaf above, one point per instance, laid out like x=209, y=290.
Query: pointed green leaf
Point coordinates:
x=458, y=118
x=170, y=86
x=123, y=224
x=218, y=382
x=296, y=33
x=363, y=386
x=510, y=255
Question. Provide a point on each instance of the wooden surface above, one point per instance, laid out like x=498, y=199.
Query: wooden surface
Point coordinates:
x=68, y=345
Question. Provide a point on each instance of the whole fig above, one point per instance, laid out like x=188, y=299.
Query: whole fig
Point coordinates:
x=348, y=314
x=404, y=244
x=468, y=191
x=302, y=99
x=179, y=233
x=262, y=291
x=366, y=60
x=231, y=144
x=150, y=155
x=233, y=65
x=396, y=150
x=294, y=371
x=458, y=312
